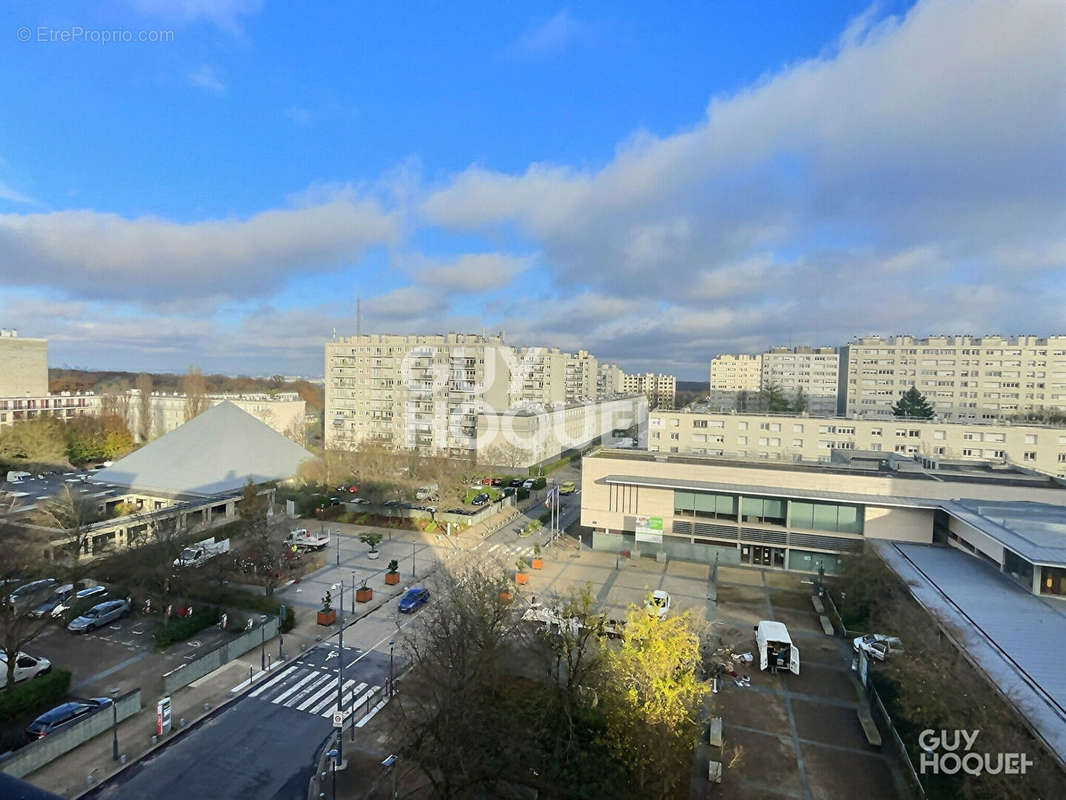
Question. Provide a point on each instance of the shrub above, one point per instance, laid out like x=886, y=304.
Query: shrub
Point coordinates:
x=39, y=694
x=540, y=483
x=522, y=494
x=545, y=518
x=180, y=628
x=289, y=622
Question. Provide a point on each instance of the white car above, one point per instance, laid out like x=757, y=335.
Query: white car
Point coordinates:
x=659, y=603
x=26, y=667
x=877, y=645
x=65, y=605
x=528, y=484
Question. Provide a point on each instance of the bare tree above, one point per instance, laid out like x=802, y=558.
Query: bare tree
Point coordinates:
x=194, y=387
x=144, y=407
x=117, y=404
x=506, y=454
x=71, y=513
x=25, y=558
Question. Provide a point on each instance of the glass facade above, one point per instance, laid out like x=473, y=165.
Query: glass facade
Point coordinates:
x=809, y=561
x=705, y=504
x=764, y=510
x=835, y=517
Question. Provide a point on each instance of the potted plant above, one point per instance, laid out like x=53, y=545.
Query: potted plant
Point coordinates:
x=372, y=540
x=326, y=614
x=392, y=575
x=538, y=562
x=521, y=576
x=364, y=593
x=504, y=586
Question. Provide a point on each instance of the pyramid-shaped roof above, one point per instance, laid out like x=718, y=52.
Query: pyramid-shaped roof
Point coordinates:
x=213, y=453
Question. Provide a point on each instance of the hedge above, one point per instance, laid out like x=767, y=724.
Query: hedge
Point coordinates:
x=522, y=494
x=180, y=628
x=540, y=483
x=40, y=693
x=227, y=597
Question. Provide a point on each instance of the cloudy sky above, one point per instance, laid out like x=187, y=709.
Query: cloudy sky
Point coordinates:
x=657, y=183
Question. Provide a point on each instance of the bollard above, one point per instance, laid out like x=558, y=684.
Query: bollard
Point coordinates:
x=181, y=722
x=207, y=706
x=155, y=740
x=122, y=759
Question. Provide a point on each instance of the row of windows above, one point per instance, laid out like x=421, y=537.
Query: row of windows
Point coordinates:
x=835, y=517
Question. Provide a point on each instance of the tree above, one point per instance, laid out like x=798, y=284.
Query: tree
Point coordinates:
x=144, y=407
x=97, y=438
x=655, y=698
x=913, y=405
x=116, y=403
x=25, y=558
x=39, y=440
x=773, y=399
x=799, y=403
x=503, y=453
x=194, y=387
x=72, y=513
x=267, y=556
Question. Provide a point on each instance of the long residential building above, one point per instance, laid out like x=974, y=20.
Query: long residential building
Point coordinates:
x=661, y=390
x=964, y=378
x=23, y=365
x=736, y=373
x=812, y=373
x=791, y=437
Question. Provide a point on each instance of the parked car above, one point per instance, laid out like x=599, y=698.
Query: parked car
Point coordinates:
x=26, y=667
x=567, y=487
x=486, y=481
x=528, y=484
x=659, y=603
x=70, y=602
x=362, y=501
x=508, y=491
x=497, y=481
x=516, y=483
x=63, y=715
x=414, y=599
x=480, y=499
x=59, y=595
x=28, y=592
x=877, y=645
x=98, y=615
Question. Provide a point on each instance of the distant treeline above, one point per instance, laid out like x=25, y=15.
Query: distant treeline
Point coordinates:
x=100, y=381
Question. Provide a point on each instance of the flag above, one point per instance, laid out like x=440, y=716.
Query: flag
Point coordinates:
x=552, y=493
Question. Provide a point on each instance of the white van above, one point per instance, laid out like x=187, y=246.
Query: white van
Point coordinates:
x=16, y=476
x=776, y=650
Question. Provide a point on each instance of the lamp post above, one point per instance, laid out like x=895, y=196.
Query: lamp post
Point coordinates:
x=390, y=765
x=334, y=754
x=353, y=592
x=391, y=678
x=340, y=680
x=413, y=545
x=114, y=723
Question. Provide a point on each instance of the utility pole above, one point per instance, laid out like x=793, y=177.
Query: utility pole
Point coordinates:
x=339, y=552
x=413, y=545
x=340, y=680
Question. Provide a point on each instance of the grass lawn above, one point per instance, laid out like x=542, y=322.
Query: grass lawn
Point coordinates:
x=493, y=493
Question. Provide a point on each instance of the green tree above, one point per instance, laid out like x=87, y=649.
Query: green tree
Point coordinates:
x=773, y=399
x=799, y=403
x=34, y=440
x=655, y=698
x=913, y=405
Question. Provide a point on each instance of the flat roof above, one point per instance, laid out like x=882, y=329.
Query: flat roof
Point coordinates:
x=1035, y=531
x=1013, y=635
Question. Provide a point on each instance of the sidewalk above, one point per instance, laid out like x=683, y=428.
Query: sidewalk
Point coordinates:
x=86, y=766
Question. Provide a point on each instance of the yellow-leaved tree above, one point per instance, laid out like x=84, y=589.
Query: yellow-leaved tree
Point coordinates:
x=655, y=696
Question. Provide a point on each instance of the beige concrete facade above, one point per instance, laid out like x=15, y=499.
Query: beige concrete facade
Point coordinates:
x=609, y=380
x=23, y=366
x=814, y=371
x=60, y=406
x=966, y=378
x=283, y=412
x=524, y=438
x=788, y=516
x=783, y=437
x=736, y=373
x=581, y=374
x=661, y=390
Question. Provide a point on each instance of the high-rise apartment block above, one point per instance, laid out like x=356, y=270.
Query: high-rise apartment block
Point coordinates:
x=609, y=380
x=963, y=377
x=23, y=365
x=736, y=373
x=810, y=372
x=661, y=390
x=581, y=377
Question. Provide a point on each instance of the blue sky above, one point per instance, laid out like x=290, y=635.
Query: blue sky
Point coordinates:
x=655, y=183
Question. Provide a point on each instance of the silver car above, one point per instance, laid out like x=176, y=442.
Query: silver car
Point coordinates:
x=98, y=615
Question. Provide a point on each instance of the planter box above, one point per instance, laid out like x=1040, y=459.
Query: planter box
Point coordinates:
x=521, y=577
x=392, y=578
x=373, y=554
x=506, y=597
x=364, y=594
x=538, y=563
x=327, y=617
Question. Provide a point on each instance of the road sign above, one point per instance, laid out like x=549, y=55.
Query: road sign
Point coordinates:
x=338, y=719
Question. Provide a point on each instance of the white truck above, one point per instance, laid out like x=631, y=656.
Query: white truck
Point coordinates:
x=198, y=554
x=776, y=650
x=304, y=540
x=17, y=476
x=430, y=491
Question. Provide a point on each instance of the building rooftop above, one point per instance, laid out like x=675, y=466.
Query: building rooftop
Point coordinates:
x=1035, y=531
x=215, y=453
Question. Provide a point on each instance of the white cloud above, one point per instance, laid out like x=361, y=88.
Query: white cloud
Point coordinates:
x=13, y=195
x=204, y=77
x=549, y=35
x=150, y=260
x=224, y=14
x=470, y=272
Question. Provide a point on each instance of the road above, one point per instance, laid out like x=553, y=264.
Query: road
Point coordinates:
x=263, y=746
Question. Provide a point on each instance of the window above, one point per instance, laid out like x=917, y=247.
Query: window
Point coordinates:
x=1030, y=438
x=742, y=426
x=766, y=510
x=742, y=440
x=797, y=443
x=826, y=517
x=1029, y=456
x=699, y=423
x=705, y=504
x=797, y=429
x=674, y=436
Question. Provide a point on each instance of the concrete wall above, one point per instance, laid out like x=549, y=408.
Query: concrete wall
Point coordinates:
x=979, y=540
x=899, y=524
x=23, y=367
x=209, y=662
x=36, y=754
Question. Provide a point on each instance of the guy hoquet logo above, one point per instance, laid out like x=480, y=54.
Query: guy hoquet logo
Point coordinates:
x=948, y=752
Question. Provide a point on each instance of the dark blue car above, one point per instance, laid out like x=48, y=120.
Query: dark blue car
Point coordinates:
x=413, y=599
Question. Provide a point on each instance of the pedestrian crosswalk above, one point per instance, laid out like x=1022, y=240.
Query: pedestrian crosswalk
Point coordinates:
x=501, y=549
x=313, y=690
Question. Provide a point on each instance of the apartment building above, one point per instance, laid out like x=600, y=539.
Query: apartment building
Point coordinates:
x=661, y=390
x=787, y=437
x=736, y=373
x=420, y=392
x=61, y=406
x=539, y=377
x=966, y=378
x=284, y=412
x=608, y=380
x=23, y=366
x=524, y=437
x=581, y=377
x=810, y=372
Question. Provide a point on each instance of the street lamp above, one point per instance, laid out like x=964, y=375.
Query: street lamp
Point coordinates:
x=413, y=544
x=390, y=765
x=353, y=592
x=334, y=754
x=391, y=678
x=114, y=723
x=340, y=671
